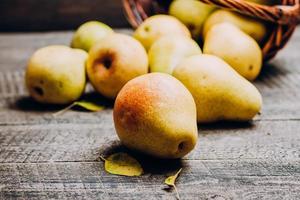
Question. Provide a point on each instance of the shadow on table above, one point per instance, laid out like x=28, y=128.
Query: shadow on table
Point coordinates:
x=95, y=97
x=226, y=125
x=150, y=164
x=271, y=70
x=29, y=104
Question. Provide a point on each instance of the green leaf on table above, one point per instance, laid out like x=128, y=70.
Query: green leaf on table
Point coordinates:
x=83, y=104
x=122, y=164
x=170, y=181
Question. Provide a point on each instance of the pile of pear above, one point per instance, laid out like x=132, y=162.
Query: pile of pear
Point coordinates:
x=176, y=71
x=58, y=74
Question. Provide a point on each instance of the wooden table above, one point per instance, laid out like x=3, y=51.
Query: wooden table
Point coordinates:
x=42, y=157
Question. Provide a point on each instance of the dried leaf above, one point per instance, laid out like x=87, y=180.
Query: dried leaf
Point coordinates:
x=84, y=104
x=88, y=106
x=122, y=164
x=170, y=181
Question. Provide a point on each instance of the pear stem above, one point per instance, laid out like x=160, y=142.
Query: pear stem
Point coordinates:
x=102, y=158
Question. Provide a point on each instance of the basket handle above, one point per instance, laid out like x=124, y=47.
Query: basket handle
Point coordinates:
x=280, y=14
x=286, y=14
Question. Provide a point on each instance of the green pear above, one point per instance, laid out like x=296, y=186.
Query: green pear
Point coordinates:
x=89, y=33
x=114, y=61
x=56, y=74
x=257, y=29
x=192, y=13
x=235, y=47
x=157, y=26
x=220, y=92
x=156, y=114
x=168, y=51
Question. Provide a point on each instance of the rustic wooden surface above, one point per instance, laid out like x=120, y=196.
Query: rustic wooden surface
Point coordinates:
x=42, y=157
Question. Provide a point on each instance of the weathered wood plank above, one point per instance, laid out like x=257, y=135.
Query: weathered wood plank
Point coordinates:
x=280, y=102
x=199, y=180
x=271, y=82
x=10, y=115
x=37, y=15
x=42, y=157
x=266, y=140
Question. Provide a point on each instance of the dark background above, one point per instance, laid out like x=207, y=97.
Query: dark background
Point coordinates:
x=43, y=15
x=51, y=15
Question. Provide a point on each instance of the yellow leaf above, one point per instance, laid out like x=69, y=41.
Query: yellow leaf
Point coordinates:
x=170, y=181
x=84, y=104
x=123, y=164
x=88, y=105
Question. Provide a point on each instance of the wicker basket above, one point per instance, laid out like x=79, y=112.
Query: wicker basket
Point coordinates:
x=284, y=17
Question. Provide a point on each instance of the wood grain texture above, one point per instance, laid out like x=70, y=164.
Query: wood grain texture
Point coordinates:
x=199, y=180
x=87, y=141
x=46, y=157
x=41, y=15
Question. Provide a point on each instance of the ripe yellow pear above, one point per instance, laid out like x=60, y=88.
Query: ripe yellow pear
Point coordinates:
x=56, y=74
x=255, y=28
x=238, y=49
x=220, y=92
x=115, y=60
x=192, y=13
x=157, y=26
x=89, y=33
x=168, y=51
x=156, y=114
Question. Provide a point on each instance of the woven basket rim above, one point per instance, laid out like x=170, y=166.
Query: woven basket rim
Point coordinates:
x=285, y=16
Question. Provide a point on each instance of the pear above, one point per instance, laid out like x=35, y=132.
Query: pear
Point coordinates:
x=220, y=92
x=168, y=51
x=192, y=13
x=235, y=47
x=257, y=29
x=157, y=26
x=56, y=74
x=89, y=33
x=156, y=114
x=114, y=61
